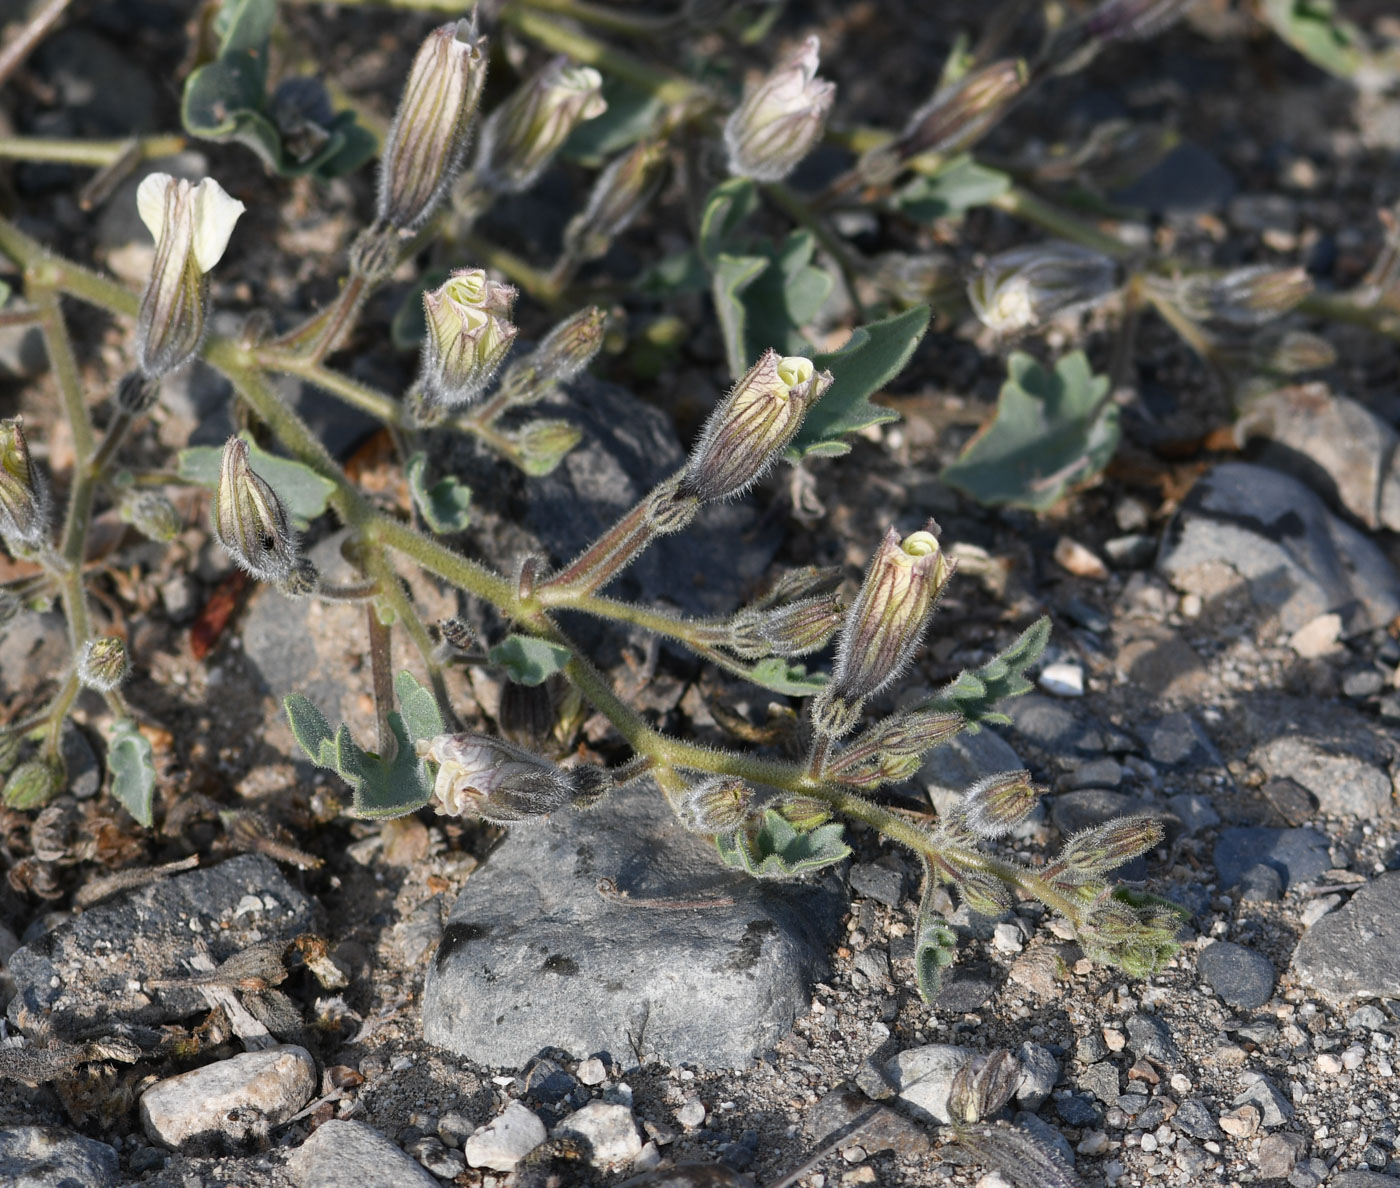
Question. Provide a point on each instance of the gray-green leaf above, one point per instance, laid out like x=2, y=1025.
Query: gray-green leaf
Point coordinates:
x=975, y=694
x=446, y=505
x=779, y=851
x=133, y=770
x=528, y=660
x=955, y=189
x=304, y=492
x=935, y=943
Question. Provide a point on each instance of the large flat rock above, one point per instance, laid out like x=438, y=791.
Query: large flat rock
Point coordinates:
x=1354, y=952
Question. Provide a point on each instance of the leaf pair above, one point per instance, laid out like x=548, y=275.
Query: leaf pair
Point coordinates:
x=777, y=850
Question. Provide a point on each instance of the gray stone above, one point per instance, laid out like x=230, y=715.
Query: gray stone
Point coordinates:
x=99, y=85
x=420, y=930
x=1337, y=446
x=885, y=1130
x=1241, y=977
x=533, y=955
x=1354, y=952
x=47, y=1157
x=353, y=1153
x=1046, y=1135
x=1074, y=811
x=1195, y=811
x=967, y=989
x=1265, y=211
x=1078, y=1109
x=507, y=1139
x=1039, y=1072
x=607, y=1130
x=1054, y=726
x=1252, y=526
x=1177, y=740
x=1149, y=1037
x=1260, y=884
x=877, y=882
x=1297, y=854
x=1278, y=1154
x=1134, y=551
x=1194, y=1117
x=1274, y=1108
x=234, y=1098
x=1337, y=759
x=180, y=598
x=1102, y=1081
x=82, y=974
x=80, y=763
x=22, y=353
x=1189, y=180
x=1361, y=1179
x=948, y=771
x=1096, y=773
x=923, y=1077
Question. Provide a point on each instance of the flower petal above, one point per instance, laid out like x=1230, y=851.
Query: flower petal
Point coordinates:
x=150, y=201
x=215, y=213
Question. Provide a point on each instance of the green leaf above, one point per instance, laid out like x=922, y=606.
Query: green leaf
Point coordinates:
x=133, y=770
x=730, y=203
x=311, y=730
x=421, y=712
x=785, y=296
x=935, y=943
x=776, y=850
x=632, y=114
x=874, y=355
x=245, y=26
x=732, y=275
x=955, y=189
x=1052, y=429
x=680, y=272
x=221, y=96
x=783, y=676
x=527, y=660
x=446, y=505
x=304, y=492
x=975, y=695
x=1313, y=28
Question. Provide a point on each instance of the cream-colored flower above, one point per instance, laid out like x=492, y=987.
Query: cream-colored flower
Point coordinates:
x=780, y=119
x=521, y=136
x=468, y=335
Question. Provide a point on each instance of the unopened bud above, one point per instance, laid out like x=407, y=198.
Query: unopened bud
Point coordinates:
x=619, y=194
x=33, y=784
x=752, y=425
x=570, y=346
x=1290, y=352
x=928, y=277
x=151, y=514
x=1133, y=20
x=103, y=664
x=191, y=225
x=893, y=749
x=952, y=121
x=24, y=497
x=10, y=746
x=497, y=781
x=303, y=581
x=983, y=1086
x=983, y=893
x=521, y=136
x=1138, y=938
x=1095, y=852
x=780, y=119
x=794, y=629
x=249, y=519
x=996, y=805
x=804, y=813
x=424, y=149
x=1022, y=288
x=468, y=335
x=716, y=805
x=542, y=445
x=1243, y=297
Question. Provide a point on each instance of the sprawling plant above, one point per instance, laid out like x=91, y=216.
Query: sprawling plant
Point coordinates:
x=443, y=164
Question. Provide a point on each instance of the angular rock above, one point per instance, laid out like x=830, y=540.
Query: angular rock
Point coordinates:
x=1297, y=854
x=233, y=1098
x=884, y=1129
x=90, y=973
x=923, y=1077
x=607, y=1129
x=1075, y=811
x=506, y=1140
x=1194, y=1117
x=1261, y=884
x=877, y=882
x=1039, y=1072
x=1361, y=1179
x=1241, y=977
x=1051, y=724
x=352, y=1153
x=1354, y=952
x=948, y=771
x=1332, y=752
x=1046, y=1134
x=1262, y=529
x=534, y=955
x=1178, y=740
x=1274, y=1108
x=47, y=1157
x=1149, y=1037
x=1196, y=812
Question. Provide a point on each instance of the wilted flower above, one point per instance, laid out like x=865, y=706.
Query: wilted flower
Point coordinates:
x=752, y=425
x=24, y=497
x=780, y=119
x=469, y=334
x=521, y=136
x=249, y=519
x=425, y=146
x=715, y=805
x=102, y=666
x=983, y=1086
x=500, y=782
x=191, y=225
x=618, y=195
x=1022, y=288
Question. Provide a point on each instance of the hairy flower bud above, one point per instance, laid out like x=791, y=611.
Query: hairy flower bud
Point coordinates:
x=500, y=782
x=1289, y=352
x=468, y=335
x=983, y=1086
x=1243, y=297
x=1094, y=852
x=571, y=346
x=619, y=194
x=780, y=119
x=33, y=784
x=804, y=813
x=715, y=805
x=521, y=136
x=249, y=519
x=752, y=425
x=151, y=514
x=997, y=804
x=932, y=277
x=542, y=445
x=1137, y=937
x=103, y=664
x=136, y=393
x=191, y=225
x=983, y=893
x=952, y=121
x=24, y=497
x=1024, y=287
x=1133, y=20
x=425, y=146
x=794, y=629
x=894, y=748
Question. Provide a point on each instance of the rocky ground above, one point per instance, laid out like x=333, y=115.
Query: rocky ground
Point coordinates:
x=428, y=1001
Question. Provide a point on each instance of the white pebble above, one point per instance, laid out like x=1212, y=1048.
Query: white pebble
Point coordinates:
x=1063, y=679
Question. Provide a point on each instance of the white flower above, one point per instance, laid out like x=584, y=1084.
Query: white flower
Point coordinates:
x=780, y=119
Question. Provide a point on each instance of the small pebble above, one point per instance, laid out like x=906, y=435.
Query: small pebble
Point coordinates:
x=506, y=1140
x=233, y=1097
x=1063, y=679
x=1093, y=1143
x=592, y=1071
x=691, y=1115
x=1240, y=1122
x=609, y=1130
x=1006, y=937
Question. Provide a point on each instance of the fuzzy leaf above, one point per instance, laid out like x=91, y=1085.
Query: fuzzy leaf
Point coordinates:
x=528, y=660
x=779, y=851
x=874, y=355
x=975, y=694
x=245, y=25
x=784, y=676
x=1052, y=429
x=304, y=492
x=955, y=189
x=730, y=280
x=311, y=730
x=935, y=943
x=446, y=505
x=786, y=295
x=421, y=712
x=133, y=770
x=1313, y=28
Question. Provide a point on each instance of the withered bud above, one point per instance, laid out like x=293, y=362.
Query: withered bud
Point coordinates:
x=983, y=1086
x=151, y=514
x=24, y=496
x=1024, y=287
x=1243, y=297
x=804, y=813
x=103, y=664
x=715, y=805
x=249, y=519
x=521, y=136
x=426, y=143
x=791, y=630
x=1289, y=352
x=469, y=333
x=780, y=119
x=1097, y=851
x=619, y=194
x=542, y=445
x=1133, y=20
x=33, y=784
x=997, y=804
x=498, y=781
x=752, y=425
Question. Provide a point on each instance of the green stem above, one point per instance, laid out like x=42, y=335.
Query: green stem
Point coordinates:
x=1022, y=204
x=392, y=591
x=1342, y=307
x=610, y=20
x=96, y=153
x=379, y=405
x=65, y=366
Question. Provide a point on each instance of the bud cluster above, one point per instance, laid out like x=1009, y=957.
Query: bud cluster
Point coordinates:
x=497, y=781
x=893, y=749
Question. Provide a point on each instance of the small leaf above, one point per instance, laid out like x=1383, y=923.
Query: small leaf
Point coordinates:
x=1052, y=429
x=730, y=203
x=421, y=712
x=305, y=492
x=783, y=676
x=528, y=660
x=446, y=505
x=874, y=355
x=935, y=943
x=732, y=276
x=974, y=695
x=1313, y=28
x=779, y=851
x=245, y=25
x=133, y=770
x=680, y=272
x=955, y=189
x=311, y=730
x=218, y=96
